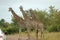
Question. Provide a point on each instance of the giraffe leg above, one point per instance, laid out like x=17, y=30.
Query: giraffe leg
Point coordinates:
x=36, y=31
x=19, y=34
x=42, y=34
x=41, y=26
x=37, y=34
x=28, y=33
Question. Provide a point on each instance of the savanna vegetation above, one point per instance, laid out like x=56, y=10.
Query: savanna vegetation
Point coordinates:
x=50, y=18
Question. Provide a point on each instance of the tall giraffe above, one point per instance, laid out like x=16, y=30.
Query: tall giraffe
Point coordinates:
x=33, y=21
x=39, y=24
x=27, y=21
x=19, y=20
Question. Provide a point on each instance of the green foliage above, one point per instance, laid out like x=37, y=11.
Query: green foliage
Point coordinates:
x=11, y=30
x=51, y=20
x=52, y=29
x=23, y=29
x=54, y=23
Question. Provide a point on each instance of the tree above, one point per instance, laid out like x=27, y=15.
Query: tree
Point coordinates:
x=53, y=19
x=2, y=23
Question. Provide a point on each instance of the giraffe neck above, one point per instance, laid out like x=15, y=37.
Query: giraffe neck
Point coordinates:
x=25, y=15
x=33, y=15
x=14, y=14
x=17, y=18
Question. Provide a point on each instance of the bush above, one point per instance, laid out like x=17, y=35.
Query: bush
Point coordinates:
x=10, y=30
x=4, y=30
x=23, y=29
x=58, y=28
x=54, y=28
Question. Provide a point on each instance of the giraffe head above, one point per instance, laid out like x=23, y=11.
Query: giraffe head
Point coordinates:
x=10, y=9
x=21, y=8
x=30, y=10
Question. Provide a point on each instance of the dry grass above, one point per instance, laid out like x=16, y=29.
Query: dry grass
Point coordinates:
x=47, y=36
x=52, y=36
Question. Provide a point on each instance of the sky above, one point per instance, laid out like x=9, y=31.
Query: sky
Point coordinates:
x=27, y=4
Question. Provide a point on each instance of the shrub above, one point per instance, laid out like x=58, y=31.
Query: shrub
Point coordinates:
x=54, y=28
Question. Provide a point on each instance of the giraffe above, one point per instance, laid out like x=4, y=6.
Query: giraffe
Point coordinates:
x=33, y=21
x=19, y=20
x=39, y=24
x=27, y=21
